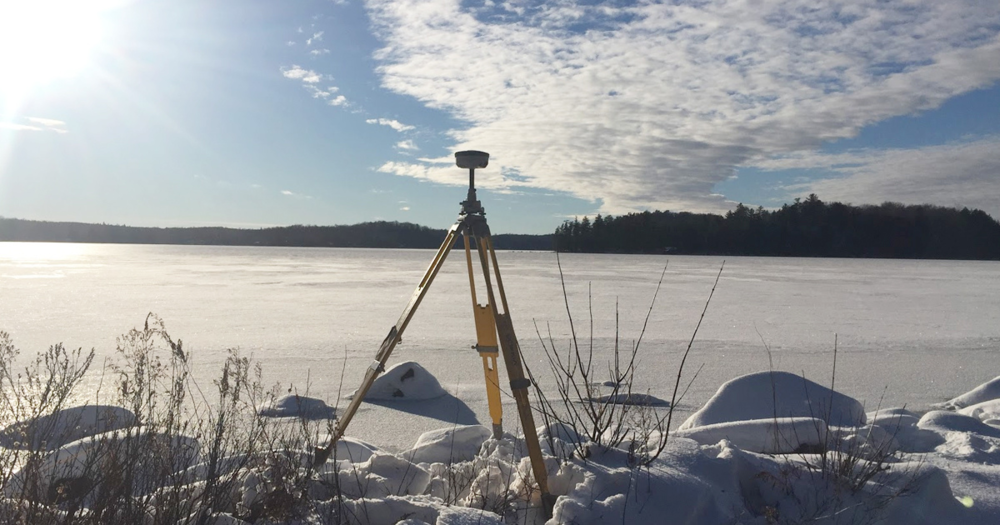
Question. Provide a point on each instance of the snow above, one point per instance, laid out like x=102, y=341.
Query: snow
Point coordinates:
x=623, y=398
x=406, y=381
x=985, y=392
x=66, y=425
x=943, y=421
x=918, y=331
x=294, y=405
x=764, y=395
x=448, y=445
x=768, y=436
x=988, y=411
x=747, y=471
x=75, y=459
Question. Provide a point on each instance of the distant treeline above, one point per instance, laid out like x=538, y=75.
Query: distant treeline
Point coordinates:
x=809, y=228
x=381, y=234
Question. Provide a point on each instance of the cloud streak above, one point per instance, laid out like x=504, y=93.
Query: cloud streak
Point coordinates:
x=963, y=174
x=310, y=81
x=394, y=124
x=650, y=105
x=37, y=124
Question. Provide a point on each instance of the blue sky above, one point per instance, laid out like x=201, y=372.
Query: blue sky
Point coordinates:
x=258, y=112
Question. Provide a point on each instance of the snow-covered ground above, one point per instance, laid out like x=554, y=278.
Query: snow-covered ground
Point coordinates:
x=910, y=334
x=767, y=448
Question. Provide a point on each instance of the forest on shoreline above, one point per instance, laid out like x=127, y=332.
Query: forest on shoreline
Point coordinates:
x=379, y=234
x=805, y=228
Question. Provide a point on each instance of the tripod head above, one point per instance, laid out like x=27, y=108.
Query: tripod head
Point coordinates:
x=471, y=160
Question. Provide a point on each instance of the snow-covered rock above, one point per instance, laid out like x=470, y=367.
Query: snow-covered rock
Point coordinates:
x=623, y=398
x=944, y=421
x=87, y=461
x=64, y=426
x=448, y=445
x=988, y=411
x=763, y=435
x=984, y=392
x=294, y=405
x=765, y=395
x=350, y=449
x=870, y=441
x=407, y=381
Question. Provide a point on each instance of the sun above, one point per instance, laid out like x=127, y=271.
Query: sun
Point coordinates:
x=45, y=40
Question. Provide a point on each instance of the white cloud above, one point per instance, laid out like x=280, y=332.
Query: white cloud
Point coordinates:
x=318, y=52
x=321, y=93
x=19, y=127
x=404, y=208
x=47, y=122
x=290, y=43
x=288, y=193
x=305, y=75
x=310, y=79
x=657, y=102
x=317, y=37
x=394, y=124
x=37, y=124
x=407, y=145
x=961, y=175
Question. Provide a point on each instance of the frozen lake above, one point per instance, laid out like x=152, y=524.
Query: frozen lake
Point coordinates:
x=916, y=331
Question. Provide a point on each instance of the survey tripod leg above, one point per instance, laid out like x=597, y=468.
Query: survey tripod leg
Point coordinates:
x=486, y=345
x=491, y=325
x=512, y=360
x=390, y=342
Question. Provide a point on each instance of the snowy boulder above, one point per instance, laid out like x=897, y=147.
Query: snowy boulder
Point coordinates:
x=753, y=396
x=64, y=426
x=350, y=449
x=984, y=392
x=119, y=454
x=381, y=476
x=893, y=419
x=988, y=411
x=623, y=398
x=449, y=445
x=798, y=434
x=406, y=381
x=926, y=496
x=869, y=442
x=943, y=421
x=901, y=425
x=294, y=405
x=412, y=510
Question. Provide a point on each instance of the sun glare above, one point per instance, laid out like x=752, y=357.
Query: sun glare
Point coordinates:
x=43, y=40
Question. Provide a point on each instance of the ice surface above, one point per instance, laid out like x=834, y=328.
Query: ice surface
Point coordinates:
x=910, y=333
x=406, y=381
x=64, y=426
x=294, y=405
x=764, y=395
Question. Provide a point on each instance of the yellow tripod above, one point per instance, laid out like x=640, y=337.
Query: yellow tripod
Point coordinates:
x=493, y=324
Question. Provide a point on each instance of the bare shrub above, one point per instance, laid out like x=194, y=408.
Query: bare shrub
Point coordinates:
x=594, y=415
x=183, y=458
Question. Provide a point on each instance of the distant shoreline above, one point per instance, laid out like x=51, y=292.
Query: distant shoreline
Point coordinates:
x=811, y=228
x=380, y=234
